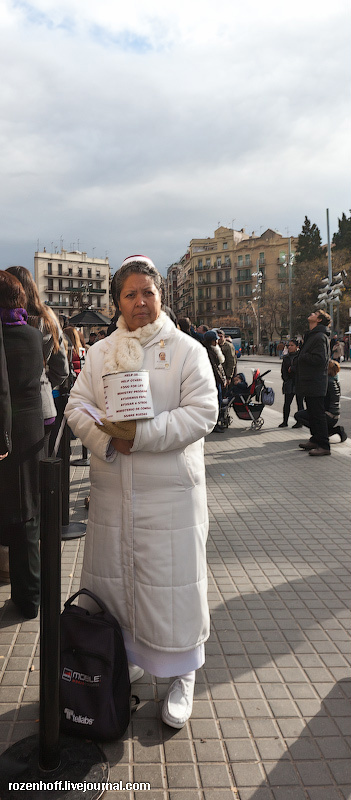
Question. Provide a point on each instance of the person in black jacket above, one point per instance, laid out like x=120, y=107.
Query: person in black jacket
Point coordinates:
x=288, y=372
x=5, y=404
x=312, y=381
x=19, y=472
x=331, y=404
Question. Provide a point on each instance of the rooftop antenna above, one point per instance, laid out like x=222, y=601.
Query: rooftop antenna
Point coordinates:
x=233, y=220
x=61, y=243
x=37, y=245
x=78, y=245
x=52, y=247
x=94, y=248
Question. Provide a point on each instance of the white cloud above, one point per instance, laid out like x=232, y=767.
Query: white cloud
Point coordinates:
x=141, y=120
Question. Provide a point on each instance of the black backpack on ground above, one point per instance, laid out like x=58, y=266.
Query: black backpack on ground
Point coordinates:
x=95, y=696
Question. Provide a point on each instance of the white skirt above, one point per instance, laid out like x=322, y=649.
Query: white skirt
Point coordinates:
x=161, y=663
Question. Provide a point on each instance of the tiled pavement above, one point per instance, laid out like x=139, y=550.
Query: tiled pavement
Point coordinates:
x=271, y=717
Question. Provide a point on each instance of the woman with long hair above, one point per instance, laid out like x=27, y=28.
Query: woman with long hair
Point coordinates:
x=56, y=368
x=73, y=336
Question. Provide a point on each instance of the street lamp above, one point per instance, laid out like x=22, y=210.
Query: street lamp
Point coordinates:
x=257, y=297
x=289, y=265
x=330, y=293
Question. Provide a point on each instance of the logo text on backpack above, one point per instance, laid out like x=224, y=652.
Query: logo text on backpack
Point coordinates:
x=79, y=677
x=72, y=717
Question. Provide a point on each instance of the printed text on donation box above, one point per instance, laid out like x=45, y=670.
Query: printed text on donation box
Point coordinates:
x=128, y=396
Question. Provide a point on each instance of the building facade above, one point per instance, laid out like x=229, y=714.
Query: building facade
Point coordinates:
x=65, y=280
x=215, y=282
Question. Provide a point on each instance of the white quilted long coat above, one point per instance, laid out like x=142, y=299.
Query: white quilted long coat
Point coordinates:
x=145, y=550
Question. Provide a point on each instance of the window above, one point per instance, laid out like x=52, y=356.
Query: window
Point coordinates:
x=227, y=275
x=282, y=257
x=208, y=307
x=261, y=258
x=80, y=272
x=60, y=283
x=201, y=308
x=227, y=260
x=99, y=302
x=219, y=306
x=50, y=298
x=50, y=269
x=225, y=245
x=219, y=261
x=50, y=283
x=89, y=273
x=199, y=263
x=227, y=291
x=262, y=269
x=81, y=283
x=70, y=272
x=70, y=284
x=98, y=273
x=218, y=277
x=200, y=294
x=219, y=291
x=240, y=261
x=208, y=262
x=227, y=305
x=59, y=269
x=60, y=298
x=208, y=292
x=247, y=258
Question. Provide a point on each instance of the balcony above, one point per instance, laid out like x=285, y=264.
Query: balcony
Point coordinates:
x=223, y=280
x=69, y=289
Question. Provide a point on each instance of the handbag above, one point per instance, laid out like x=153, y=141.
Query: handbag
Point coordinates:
x=95, y=696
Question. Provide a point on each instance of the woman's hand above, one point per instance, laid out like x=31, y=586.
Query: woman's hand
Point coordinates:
x=122, y=446
x=118, y=430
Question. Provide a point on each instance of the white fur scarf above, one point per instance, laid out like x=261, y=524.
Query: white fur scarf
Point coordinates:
x=125, y=351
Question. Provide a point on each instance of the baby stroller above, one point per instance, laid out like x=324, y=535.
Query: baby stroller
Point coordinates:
x=249, y=403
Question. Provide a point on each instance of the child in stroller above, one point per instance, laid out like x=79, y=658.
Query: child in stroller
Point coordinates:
x=247, y=401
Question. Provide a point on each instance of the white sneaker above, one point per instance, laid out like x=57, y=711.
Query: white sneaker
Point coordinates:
x=178, y=703
x=135, y=672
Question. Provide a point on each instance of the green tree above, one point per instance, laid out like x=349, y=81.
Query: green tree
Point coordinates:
x=342, y=239
x=308, y=243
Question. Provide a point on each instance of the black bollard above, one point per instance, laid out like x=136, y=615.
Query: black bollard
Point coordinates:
x=50, y=604
x=70, y=530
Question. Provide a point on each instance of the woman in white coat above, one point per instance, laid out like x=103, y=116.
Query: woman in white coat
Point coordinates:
x=145, y=551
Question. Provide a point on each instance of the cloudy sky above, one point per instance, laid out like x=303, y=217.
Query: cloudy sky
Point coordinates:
x=135, y=126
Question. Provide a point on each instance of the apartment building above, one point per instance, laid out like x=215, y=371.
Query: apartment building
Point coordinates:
x=65, y=280
x=216, y=280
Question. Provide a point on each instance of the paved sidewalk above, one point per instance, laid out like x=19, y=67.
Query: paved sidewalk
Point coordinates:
x=271, y=713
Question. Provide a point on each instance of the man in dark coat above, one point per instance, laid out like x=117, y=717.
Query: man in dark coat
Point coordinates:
x=312, y=381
